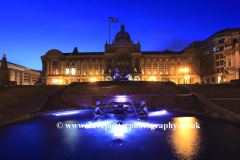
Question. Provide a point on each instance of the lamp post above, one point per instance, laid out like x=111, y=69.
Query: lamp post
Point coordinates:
x=184, y=71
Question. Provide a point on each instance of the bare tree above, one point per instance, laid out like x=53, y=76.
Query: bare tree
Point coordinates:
x=202, y=64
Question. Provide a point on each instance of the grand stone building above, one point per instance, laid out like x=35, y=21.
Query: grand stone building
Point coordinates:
x=64, y=68
x=224, y=47
x=20, y=74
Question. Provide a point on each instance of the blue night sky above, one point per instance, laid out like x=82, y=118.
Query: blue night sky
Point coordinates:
x=30, y=28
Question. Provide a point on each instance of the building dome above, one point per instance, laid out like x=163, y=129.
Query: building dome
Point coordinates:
x=54, y=52
x=122, y=35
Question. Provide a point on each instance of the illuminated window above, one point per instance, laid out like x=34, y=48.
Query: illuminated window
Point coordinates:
x=148, y=70
x=67, y=71
x=79, y=71
x=142, y=71
x=54, y=81
x=85, y=72
x=109, y=70
x=90, y=72
x=96, y=71
x=160, y=71
x=166, y=72
x=178, y=62
x=166, y=62
x=102, y=71
x=154, y=71
x=73, y=71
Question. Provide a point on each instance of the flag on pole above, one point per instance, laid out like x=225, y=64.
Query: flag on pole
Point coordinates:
x=113, y=19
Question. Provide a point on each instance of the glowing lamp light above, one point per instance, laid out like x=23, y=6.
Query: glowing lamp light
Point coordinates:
x=185, y=70
x=121, y=98
x=152, y=79
x=186, y=77
x=93, y=80
x=157, y=113
x=60, y=80
x=65, y=113
x=119, y=131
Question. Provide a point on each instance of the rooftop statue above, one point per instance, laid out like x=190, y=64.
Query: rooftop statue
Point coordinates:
x=118, y=77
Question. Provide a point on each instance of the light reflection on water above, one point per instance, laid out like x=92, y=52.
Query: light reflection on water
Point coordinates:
x=185, y=142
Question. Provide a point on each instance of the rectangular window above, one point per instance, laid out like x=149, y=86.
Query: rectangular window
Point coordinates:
x=79, y=72
x=166, y=62
x=148, y=70
x=55, y=63
x=73, y=71
x=178, y=62
x=85, y=72
x=54, y=81
x=67, y=63
x=67, y=71
x=90, y=72
x=154, y=62
x=166, y=71
x=160, y=71
x=102, y=71
x=73, y=63
x=154, y=71
x=172, y=62
x=109, y=70
x=142, y=71
x=96, y=72
x=148, y=62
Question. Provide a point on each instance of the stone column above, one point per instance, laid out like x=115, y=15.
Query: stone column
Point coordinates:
x=237, y=59
x=157, y=68
x=232, y=64
x=23, y=78
x=11, y=75
x=151, y=72
x=81, y=64
x=93, y=67
x=18, y=77
x=59, y=67
x=48, y=68
x=146, y=73
x=138, y=65
x=87, y=68
x=227, y=61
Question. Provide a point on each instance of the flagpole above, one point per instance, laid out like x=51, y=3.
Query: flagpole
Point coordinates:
x=109, y=29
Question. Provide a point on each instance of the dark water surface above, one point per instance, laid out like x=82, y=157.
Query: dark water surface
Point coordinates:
x=39, y=138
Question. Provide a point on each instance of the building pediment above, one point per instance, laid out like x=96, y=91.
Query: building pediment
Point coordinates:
x=122, y=43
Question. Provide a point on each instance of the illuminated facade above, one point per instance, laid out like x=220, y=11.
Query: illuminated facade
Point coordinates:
x=22, y=75
x=224, y=48
x=64, y=68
